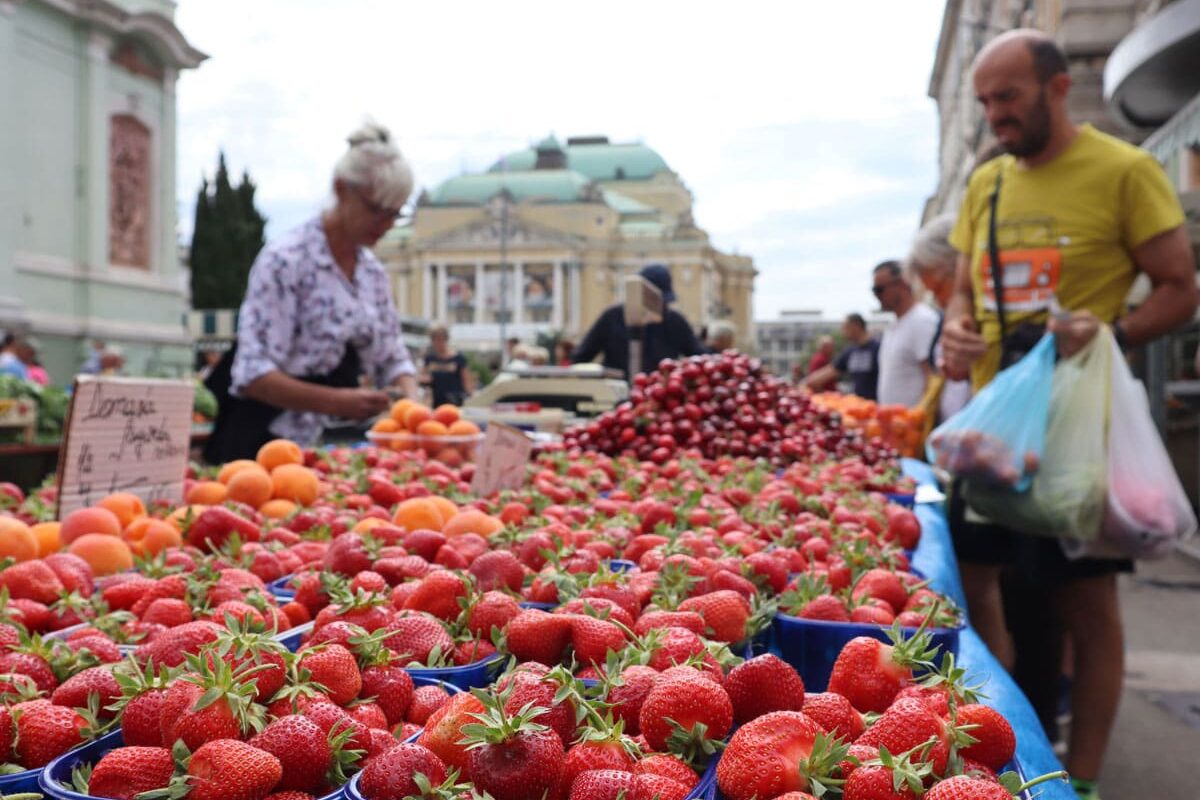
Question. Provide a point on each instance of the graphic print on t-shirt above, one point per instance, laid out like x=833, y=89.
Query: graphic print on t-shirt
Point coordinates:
x=1031, y=263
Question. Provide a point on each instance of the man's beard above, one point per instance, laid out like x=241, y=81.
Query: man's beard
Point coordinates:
x=1035, y=132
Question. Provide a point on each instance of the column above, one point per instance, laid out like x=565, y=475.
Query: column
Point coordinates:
x=575, y=274
x=479, y=304
x=164, y=172
x=441, y=293
x=95, y=156
x=427, y=277
x=9, y=302
x=518, y=292
x=556, y=316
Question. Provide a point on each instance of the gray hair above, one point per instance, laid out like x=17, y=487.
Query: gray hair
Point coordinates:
x=374, y=164
x=931, y=248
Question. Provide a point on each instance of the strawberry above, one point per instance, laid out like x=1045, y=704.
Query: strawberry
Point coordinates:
x=31, y=665
x=685, y=715
x=656, y=787
x=492, y=610
x=228, y=769
x=333, y=667
x=31, y=580
x=835, y=714
x=124, y=596
x=668, y=767
x=418, y=638
x=826, y=607
x=762, y=685
x=8, y=734
x=209, y=704
x=877, y=782
x=870, y=673
x=908, y=724
x=543, y=692
x=168, y=612
x=303, y=751
x=369, y=582
x=425, y=701
x=35, y=616
x=370, y=715
x=995, y=741
x=610, y=752
x=669, y=619
x=393, y=775
x=672, y=646
x=392, y=688
x=76, y=690
x=534, y=635
x=104, y=649
x=593, y=639
x=75, y=574
x=443, y=730
x=473, y=651
x=125, y=772
x=437, y=594
x=498, y=569
x=883, y=584
x=336, y=722
x=970, y=787
x=176, y=644
x=311, y=592
x=602, y=608
x=173, y=587
x=780, y=752
x=623, y=596
x=238, y=611
x=509, y=756
x=602, y=784
x=627, y=693
x=872, y=615
x=725, y=614
x=141, y=719
x=381, y=740
x=215, y=525
x=45, y=732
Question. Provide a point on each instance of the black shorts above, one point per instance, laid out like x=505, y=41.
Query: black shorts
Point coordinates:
x=1038, y=558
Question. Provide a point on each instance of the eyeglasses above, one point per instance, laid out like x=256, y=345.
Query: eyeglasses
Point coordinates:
x=879, y=288
x=376, y=210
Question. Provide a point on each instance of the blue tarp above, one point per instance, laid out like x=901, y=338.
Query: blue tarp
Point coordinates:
x=935, y=558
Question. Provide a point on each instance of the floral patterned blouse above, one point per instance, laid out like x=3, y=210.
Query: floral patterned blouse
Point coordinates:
x=301, y=312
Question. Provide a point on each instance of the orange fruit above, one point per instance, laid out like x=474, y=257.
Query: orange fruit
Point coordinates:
x=463, y=427
x=17, y=541
x=400, y=408
x=446, y=507
x=208, y=493
x=126, y=506
x=431, y=427
x=179, y=517
x=368, y=523
x=148, y=536
x=234, y=467
x=251, y=486
x=446, y=414
x=278, y=452
x=471, y=520
x=419, y=512
x=296, y=483
x=277, y=508
x=83, y=521
x=386, y=425
x=415, y=416
x=46, y=534
x=450, y=456
x=106, y=554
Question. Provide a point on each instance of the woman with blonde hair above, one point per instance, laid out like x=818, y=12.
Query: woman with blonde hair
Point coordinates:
x=446, y=373
x=318, y=334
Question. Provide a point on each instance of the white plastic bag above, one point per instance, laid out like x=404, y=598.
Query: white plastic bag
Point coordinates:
x=1066, y=497
x=1147, y=510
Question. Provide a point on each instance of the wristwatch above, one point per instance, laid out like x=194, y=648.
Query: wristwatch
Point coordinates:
x=1119, y=334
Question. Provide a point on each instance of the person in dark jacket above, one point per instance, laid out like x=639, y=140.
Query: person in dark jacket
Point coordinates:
x=609, y=337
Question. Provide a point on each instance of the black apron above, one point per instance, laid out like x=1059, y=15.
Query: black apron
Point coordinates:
x=243, y=424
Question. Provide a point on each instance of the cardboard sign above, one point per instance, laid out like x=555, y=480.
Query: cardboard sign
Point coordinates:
x=643, y=302
x=125, y=435
x=502, y=458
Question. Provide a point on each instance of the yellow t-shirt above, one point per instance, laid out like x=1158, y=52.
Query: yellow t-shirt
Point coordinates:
x=1065, y=230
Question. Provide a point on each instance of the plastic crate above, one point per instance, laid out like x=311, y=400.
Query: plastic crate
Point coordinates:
x=812, y=646
x=281, y=588
x=469, y=676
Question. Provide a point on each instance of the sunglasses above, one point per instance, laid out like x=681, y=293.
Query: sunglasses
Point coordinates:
x=376, y=210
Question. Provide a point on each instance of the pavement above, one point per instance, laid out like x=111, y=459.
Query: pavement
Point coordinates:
x=1156, y=744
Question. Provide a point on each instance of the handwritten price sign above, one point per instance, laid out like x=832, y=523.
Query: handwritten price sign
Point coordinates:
x=502, y=459
x=125, y=435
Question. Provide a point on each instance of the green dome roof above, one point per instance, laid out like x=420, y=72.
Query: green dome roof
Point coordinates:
x=600, y=162
x=555, y=185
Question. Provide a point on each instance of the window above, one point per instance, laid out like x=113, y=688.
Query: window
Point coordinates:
x=537, y=296
x=460, y=294
x=497, y=293
x=129, y=219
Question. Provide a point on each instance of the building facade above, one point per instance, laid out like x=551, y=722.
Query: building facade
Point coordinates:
x=87, y=211
x=541, y=242
x=1087, y=30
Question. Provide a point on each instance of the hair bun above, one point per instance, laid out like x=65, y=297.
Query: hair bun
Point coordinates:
x=370, y=133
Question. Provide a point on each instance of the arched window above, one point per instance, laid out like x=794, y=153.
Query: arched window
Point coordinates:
x=129, y=208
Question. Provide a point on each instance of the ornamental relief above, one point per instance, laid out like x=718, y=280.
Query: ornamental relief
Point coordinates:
x=129, y=192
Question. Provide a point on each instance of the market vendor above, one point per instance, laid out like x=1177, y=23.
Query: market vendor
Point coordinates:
x=318, y=334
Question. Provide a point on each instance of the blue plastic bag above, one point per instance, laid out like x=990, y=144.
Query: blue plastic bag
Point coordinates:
x=999, y=437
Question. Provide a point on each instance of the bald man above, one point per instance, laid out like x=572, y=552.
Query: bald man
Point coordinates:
x=1078, y=214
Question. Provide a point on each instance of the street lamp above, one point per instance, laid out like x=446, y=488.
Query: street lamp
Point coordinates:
x=498, y=208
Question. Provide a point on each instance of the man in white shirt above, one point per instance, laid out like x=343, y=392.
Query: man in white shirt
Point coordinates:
x=904, y=352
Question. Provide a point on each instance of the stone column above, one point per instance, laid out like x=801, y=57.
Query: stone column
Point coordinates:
x=167, y=260
x=479, y=309
x=518, y=292
x=96, y=127
x=441, y=293
x=427, y=280
x=556, y=318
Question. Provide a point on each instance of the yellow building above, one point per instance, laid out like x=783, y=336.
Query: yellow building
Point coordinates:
x=567, y=223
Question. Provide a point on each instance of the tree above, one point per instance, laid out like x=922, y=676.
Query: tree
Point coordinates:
x=226, y=238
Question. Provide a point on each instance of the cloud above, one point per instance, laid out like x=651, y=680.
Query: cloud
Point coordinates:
x=801, y=128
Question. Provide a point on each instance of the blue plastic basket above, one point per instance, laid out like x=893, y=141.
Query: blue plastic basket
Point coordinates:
x=622, y=565
x=293, y=637
x=281, y=588
x=902, y=499
x=811, y=646
x=19, y=782
x=542, y=606
x=469, y=676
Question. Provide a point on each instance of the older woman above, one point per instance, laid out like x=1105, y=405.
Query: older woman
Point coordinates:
x=318, y=335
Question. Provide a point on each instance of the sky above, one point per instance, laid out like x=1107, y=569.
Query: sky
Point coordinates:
x=802, y=128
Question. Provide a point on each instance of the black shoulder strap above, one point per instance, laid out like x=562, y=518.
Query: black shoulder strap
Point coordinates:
x=994, y=258
x=937, y=334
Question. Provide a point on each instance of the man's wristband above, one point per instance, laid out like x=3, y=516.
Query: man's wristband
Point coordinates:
x=1119, y=334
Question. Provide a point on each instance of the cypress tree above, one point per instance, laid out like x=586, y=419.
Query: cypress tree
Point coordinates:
x=226, y=238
